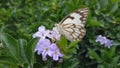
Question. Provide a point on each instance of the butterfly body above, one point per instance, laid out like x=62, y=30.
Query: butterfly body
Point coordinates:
x=73, y=25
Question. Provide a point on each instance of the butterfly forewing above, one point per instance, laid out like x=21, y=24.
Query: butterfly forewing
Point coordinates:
x=72, y=26
x=79, y=17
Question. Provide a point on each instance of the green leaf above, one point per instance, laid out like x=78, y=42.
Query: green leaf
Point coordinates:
x=11, y=44
x=8, y=60
x=71, y=51
x=94, y=23
x=117, y=19
x=100, y=66
x=114, y=7
x=116, y=43
x=104, y=3
x=29, y=50
x=94, y=55
x=67, y=56
x=115, y=61
x=108, y=54
x=22, y=45
x=111, y=52
x=62, y=43
x=114, y=1
x=74, y=65
x=73, y=44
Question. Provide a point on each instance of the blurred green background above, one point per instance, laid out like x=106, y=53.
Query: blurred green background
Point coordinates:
x=21, y=18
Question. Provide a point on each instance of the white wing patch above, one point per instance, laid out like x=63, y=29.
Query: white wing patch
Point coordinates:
x=75, y=20
x=72, y=26
x=73, y=32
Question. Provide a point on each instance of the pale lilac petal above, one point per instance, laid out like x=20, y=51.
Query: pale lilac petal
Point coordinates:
x=41, y=45
x=55, y=52
x=53, y=47
x=49, y=34
x=41, y=33
x=44, y=54
x=41, y=28
x=101, y=39
x=37, y=34
x=98, y=38
x=60, y=55
x=38, y=49
x=44, y=58
x=55, y=57
x=46, y=43
x=50, y=53
x=104, y=40
x=108, y=43
x=43, y=42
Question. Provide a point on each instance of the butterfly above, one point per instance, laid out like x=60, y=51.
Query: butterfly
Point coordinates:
x=73, y=25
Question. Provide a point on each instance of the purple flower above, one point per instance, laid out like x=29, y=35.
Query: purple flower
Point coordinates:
x=42, y=47
x=49, y=34
x=101, y=39
x=53, y=34
x=55, y=52
x=108, y=43
x=42, y=43
x=42, y=33
x=41, y=28
x=45, y=48
x=104, y=40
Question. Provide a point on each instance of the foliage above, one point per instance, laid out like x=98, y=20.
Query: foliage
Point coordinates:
x=21, y=18
x=17, y=52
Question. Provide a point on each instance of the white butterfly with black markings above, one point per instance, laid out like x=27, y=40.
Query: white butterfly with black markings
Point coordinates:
x=73, y=25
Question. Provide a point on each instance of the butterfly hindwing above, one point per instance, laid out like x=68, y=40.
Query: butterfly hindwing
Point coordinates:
x=74, y=32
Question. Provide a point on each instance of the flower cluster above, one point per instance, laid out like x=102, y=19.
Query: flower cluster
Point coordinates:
x=45, y=46
x=104, y=41
x=43, y=33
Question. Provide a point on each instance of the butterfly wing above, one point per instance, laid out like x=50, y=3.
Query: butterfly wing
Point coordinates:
x=78, y=17
x=72, y=26
x=73, y=32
